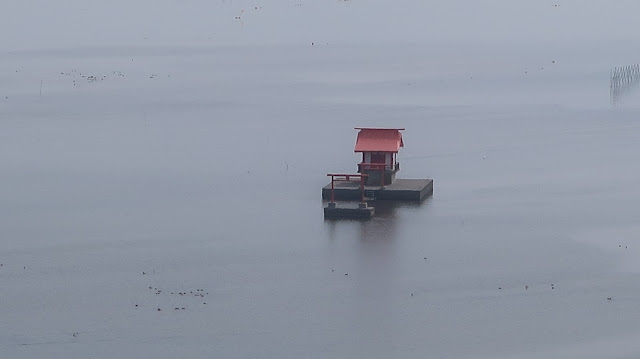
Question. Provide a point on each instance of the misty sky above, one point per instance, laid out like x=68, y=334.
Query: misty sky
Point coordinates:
x=73, y=23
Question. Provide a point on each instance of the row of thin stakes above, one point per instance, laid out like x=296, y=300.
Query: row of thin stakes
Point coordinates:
x=622, y=80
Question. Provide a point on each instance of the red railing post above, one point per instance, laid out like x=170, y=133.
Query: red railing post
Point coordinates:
x=347, y=178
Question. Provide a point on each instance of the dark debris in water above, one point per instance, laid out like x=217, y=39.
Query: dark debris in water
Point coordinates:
x=184, y=295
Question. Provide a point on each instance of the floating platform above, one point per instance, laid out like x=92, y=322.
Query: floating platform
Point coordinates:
x=399, y=190
x=332, y=211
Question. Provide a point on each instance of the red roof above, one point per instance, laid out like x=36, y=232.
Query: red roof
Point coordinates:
x=379, y=140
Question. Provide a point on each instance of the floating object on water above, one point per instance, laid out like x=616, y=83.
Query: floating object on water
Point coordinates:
x=376, y=177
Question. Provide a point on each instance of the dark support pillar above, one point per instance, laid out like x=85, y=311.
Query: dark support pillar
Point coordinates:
x=333, y=199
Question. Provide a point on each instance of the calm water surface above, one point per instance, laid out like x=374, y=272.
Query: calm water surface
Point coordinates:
x=197, y=170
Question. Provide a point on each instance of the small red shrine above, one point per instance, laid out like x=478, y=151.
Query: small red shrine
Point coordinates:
x=379, y=148
x=376, y=178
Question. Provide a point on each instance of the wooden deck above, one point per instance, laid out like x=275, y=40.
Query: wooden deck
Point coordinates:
x=399, y=190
